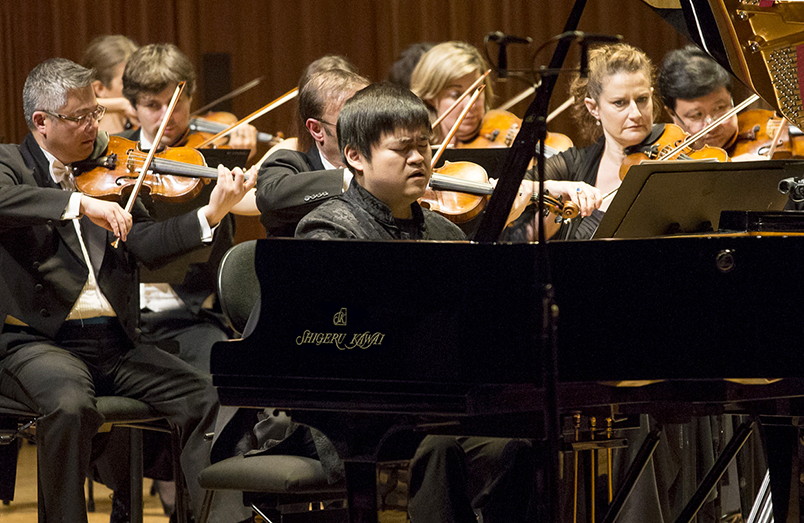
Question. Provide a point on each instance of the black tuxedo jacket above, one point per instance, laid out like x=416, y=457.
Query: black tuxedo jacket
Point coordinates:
x=42, y=269
x=193, y=275
x=289, y=185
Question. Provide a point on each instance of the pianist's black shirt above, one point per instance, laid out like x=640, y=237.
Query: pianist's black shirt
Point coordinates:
x=358, y=215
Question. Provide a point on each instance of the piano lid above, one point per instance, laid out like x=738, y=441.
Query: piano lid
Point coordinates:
x=760, y=41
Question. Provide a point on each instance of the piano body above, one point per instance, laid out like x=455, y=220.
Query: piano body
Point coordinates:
x=378, y=343
x=391, y=339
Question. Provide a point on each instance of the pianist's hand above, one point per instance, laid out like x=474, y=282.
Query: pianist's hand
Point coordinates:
x=586, y=197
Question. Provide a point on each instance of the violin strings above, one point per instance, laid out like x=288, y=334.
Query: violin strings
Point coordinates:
x=455, y=184
x=185, y=169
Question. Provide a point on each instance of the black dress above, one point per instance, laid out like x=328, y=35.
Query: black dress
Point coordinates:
x=573, y=165
x=581, y=165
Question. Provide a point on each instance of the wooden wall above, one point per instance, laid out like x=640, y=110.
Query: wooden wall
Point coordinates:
x=277, y=39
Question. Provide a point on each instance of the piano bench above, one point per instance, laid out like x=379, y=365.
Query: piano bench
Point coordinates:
x=285, y=479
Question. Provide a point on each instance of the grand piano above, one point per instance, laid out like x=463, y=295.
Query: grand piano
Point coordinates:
x=377, y=344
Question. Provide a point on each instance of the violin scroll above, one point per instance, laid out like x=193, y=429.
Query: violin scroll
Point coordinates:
x=563, y=211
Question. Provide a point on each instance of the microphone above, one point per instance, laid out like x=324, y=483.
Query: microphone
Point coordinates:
x=502, y=40
x=794, y=187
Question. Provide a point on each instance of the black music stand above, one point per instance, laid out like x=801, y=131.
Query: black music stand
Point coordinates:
x=658, y=199
x=230, y=158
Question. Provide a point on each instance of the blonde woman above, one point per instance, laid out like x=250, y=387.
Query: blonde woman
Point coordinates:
x=441, y=76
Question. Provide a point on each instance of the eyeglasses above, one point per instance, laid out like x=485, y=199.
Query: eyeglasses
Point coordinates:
x=319, y=120
x=706, y=119
x=95, y=114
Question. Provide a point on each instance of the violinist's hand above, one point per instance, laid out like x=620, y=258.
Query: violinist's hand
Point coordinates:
x=116, y=105
x=120, y=105
x=131, y=115
x=108, y=215
x=524, y=198
x=586, y=197
x=244, y=137
x=230, y=189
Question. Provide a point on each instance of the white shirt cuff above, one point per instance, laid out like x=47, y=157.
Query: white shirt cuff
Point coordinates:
x=206, y=230
x=73, y=209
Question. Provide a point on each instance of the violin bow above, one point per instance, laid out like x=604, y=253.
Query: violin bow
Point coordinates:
x=517, y=98
x=228, y=96
x=458, y=122
x=469, y=89
x=253, y=116
x=695, y=137
x=776, y=137
x=703, y=132
x=560, y=109
x=135, y=191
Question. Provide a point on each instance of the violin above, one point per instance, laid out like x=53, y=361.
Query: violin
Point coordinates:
x=461, y=206
x=672, y=144
x=200, y=140
x=177, y=174
x=270, y=106
x=499, y=129
x=214, y=122
x=756, y=130
x=459, y=191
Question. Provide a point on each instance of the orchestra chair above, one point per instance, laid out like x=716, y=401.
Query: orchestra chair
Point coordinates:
x=238, y=285
x=274, y=485
x=17, y=421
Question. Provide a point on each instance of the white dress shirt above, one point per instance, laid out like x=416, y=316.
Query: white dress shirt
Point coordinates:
x=91, y=303
x=159, y=297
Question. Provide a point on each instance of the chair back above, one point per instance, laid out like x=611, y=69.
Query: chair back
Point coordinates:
x=238, y=286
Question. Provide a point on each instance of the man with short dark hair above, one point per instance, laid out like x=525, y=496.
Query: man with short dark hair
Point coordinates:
x=69, y=299
x=151, y=75
x=178, y=307
x=696, y=90
x=291, y=183
x=384, y=137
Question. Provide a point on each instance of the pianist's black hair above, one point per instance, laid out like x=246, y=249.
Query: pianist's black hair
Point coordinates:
x=376, y=110
x=690, y=73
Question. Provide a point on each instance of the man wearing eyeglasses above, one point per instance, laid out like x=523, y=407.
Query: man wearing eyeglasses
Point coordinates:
x=69, y=299
x=696, y=91
x=291, y=183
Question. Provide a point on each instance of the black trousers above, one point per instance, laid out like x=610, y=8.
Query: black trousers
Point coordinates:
x=452, y=477
x=190, y=337
x=60, y=379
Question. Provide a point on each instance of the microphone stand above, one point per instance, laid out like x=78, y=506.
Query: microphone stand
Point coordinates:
x=510, y=174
